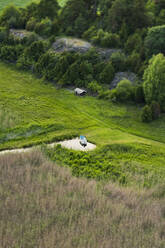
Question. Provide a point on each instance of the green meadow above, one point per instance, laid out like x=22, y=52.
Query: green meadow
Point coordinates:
x=33, y=111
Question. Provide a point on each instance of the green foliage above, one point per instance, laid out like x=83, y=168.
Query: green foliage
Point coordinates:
x=133, y=13
x=154, y=41
x=155, y=107
x=30, y=25
x=118, y=61
x=146, y=114
x=160, y=20
x=124, y=91
x=47, y=9
x=139, y=94
x=44, y=27
x=35, y=50
x=106, y=39
x=124, y=163
x=11, y=17
x=133, y=43
x=107, y=75
x=154, y=78
x=10, y=53
x=3, y=34
x=134, y=62
x=91, y=32
x=94, y=87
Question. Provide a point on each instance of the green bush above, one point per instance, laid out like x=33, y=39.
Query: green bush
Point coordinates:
x=30, y=25
x=11, y=17
x=106, y=39
x=154, y=41
x=3, y=34
x=124, y=91
x=46, y=64
x=24, y=62
x=146, y=115
x=94, y=87
x=107, y=75
x=35, y=50
x=91, y=32
x=110, y=40
x=133, y=62
x=118, y=61
x=154, y=78
x=10, y=53
x=134, y=43
x=44, y=27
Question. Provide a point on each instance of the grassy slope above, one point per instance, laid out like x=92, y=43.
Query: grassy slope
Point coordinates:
x=30, y=102
x=36, y=112
x=44, y=206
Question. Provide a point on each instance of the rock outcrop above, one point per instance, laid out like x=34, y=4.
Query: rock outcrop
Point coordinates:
x=123, y=75
x=72, y=45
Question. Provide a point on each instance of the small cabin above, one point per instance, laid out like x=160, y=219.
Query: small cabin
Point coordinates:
x=80, y=92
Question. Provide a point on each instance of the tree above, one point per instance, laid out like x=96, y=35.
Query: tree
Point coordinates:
x=10, y=17
x=132, y=12
x=48, y=8
x=154, y=41
x=154, y=81
x=107, y=75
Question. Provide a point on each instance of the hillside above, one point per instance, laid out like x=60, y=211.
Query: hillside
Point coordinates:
x=113, y=194
x=44, y=206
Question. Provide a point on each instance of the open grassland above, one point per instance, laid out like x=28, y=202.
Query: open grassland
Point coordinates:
x=22, y=3
x=34, y=112
x=44, y=206
x=37, y=112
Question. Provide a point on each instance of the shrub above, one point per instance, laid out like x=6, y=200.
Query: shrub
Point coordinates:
x=28, y=40
x=10, y=53
x=44, y=27
x=118, y=61
x=30, y=26
x=3, y=34
x=146, y=115
x=94, y=87
x=91, y=32
x=24, y=62
x=134, y=43
x=154, y=41
x=110, y=40
x=107, y=75
x=106, y=39
x=35, y=50
x=124, y=91
x=10, y=17
x=46, y=65
x=134, y=62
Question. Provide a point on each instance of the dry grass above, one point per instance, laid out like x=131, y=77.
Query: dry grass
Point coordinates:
x=43, y=206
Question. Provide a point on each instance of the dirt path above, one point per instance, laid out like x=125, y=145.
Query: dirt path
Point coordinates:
x=73, y=144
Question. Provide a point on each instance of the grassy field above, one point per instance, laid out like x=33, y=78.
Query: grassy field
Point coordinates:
x=21, y=3
x=34, y=112
x=43, y=206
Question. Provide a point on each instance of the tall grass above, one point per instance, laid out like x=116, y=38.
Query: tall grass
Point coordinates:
x=43, y=206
